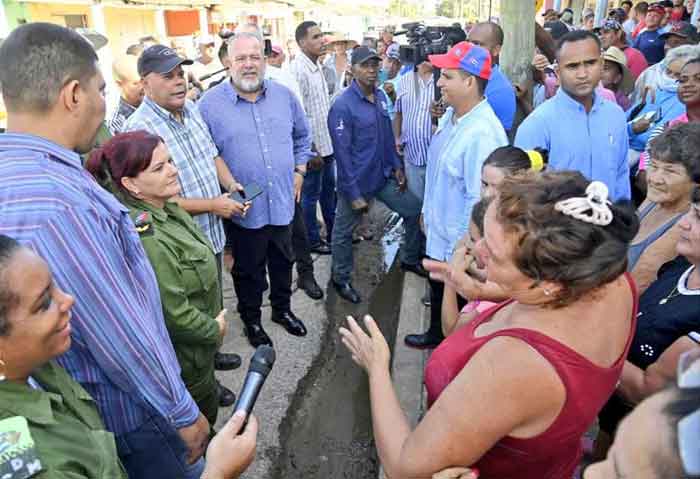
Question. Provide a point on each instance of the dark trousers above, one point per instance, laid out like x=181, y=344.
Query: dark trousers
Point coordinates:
x=155, y=449
x=300, y=243
x=255, y=252
x=437, y=291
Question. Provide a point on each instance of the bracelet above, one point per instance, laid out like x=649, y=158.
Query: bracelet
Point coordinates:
x=300, y=172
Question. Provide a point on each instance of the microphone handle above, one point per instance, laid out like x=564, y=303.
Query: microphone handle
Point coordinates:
x=248, y=395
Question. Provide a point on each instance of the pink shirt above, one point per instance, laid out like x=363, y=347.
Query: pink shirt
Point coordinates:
x=635, y=61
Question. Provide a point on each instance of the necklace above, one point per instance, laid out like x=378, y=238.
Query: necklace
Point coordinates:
x=680, y=288
x=674, y=292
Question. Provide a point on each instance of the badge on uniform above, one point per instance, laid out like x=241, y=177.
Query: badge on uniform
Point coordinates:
x=18, y=455
x=143, y=224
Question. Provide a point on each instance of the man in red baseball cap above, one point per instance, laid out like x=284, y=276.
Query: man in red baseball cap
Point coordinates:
x=649, y=42
x=466, y=135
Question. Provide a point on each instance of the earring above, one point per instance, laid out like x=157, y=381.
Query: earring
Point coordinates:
x=2, y=373
x=547, y=292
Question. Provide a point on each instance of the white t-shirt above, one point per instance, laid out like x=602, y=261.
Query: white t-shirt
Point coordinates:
x=199, y=69
x=284, y=77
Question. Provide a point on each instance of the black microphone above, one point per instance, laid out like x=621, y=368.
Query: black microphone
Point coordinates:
x=260, y=366
x=209, y=75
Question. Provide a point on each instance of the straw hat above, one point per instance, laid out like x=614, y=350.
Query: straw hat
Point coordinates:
x=334, y=38
x=615, y=55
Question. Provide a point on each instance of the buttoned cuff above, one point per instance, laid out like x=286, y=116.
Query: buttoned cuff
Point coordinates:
x=185, y=412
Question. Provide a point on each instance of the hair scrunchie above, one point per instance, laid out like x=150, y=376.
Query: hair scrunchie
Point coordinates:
x=536, y=160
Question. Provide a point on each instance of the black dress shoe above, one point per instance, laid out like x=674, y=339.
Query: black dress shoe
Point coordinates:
x=257, y=335
x=290, y=322
x=226, y=361
x=321, y=248
x=421, y=341
x=308, y=283
x=347, y=292
x=415, y=268
x=226, y=396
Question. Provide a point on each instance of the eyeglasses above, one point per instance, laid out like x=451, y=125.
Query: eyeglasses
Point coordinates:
x=689, y=426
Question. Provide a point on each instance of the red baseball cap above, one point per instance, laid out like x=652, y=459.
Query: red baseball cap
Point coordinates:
x=656, y=8
x=465, y=56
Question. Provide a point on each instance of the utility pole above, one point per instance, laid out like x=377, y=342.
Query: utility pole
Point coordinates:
x=601, y=12
x=577, y=6
x=518, y=23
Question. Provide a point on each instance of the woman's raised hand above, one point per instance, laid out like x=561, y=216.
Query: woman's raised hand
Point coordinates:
x=369, y=351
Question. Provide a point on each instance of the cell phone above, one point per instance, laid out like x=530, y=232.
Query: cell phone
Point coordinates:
x=249, y=193
x=651, y=116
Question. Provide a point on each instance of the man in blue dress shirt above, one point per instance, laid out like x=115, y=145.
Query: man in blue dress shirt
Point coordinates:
x=581, y=130
x=499, y=92
x=261, y=132
x=368, y=167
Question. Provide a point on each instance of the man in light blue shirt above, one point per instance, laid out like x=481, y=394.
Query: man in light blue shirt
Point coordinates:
x=499, y=92
x=580, y=130
x=467, y=133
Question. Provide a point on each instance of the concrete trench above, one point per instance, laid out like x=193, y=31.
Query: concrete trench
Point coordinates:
x=314, y=410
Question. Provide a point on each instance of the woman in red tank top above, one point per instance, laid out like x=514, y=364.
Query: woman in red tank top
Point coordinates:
x=512, y=392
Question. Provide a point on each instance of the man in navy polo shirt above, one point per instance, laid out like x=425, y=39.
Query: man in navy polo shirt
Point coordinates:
x=368, y=167
x=650, y=42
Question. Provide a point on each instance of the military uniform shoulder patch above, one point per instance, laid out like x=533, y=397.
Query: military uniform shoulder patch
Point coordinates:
x=144, y=223
x=18, y=455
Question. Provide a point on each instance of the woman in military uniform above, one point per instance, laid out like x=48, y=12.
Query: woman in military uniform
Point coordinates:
x=49, y=425
x=139, y=170
x=44, y=414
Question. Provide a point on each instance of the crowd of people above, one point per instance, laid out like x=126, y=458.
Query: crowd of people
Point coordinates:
x=557, y=222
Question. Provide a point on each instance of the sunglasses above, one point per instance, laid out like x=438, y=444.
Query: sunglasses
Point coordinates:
x=689, y=426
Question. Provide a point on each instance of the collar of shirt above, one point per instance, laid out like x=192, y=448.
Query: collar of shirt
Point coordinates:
x=233, y=94
x=23, y=400
x=565, y=100
x=126, y=106
x=355, y=87
x=308, y=64
x=163, y=113
x=13, y=141
x=447, y=117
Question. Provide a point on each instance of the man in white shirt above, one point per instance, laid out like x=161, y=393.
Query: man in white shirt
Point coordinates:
x=206, y=63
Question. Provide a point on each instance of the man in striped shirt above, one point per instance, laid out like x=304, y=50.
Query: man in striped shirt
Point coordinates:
x=413, y=126
x=126, y=76
x=319, y=184
x=121, y=352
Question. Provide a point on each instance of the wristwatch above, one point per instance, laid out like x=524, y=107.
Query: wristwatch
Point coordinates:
x=300, y=172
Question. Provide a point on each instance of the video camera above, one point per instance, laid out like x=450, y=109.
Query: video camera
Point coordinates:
x=426, y=40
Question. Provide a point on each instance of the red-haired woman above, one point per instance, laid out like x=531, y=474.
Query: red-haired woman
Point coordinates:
x=137, y=168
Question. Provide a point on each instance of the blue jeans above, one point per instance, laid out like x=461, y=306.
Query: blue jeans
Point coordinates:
x=405, y=204
x=415, y=179
x=318, y=186
x=156, y=450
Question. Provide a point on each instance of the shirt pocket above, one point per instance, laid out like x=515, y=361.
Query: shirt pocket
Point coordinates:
x=199, y=271
x=365, y=129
